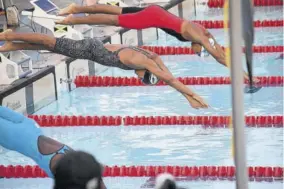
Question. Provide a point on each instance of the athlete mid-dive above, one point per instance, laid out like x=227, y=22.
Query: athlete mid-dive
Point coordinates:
x=148, y=66
x=202, y=41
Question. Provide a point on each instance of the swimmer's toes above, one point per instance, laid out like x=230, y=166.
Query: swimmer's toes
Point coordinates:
x=66, y=21
x=3, y=34
x=6, y=47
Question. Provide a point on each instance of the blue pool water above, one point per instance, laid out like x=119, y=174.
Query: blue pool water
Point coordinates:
x=261, y=13
x=171, y=145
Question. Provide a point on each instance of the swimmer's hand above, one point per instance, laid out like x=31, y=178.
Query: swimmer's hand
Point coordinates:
x=196, y=101
x=66, y=21
x=255, y=80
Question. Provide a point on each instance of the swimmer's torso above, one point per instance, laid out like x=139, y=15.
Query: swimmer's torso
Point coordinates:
x=20, y=134
x=106, y=57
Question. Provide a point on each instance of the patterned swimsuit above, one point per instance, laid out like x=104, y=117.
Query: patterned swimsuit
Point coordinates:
x=92, y=49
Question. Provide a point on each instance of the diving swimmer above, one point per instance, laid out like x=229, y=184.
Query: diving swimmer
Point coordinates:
x=202, y=41
x=23, y=135
x=148, y=66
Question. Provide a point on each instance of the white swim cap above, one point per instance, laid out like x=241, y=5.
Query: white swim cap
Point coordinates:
x=164, y=180
x=204, y=52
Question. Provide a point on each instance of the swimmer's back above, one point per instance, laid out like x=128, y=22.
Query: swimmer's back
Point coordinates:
x=18, y=133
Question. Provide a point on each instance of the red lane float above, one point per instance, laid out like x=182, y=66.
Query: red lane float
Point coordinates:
x=257, y=3
x=59, y=121
x=152, y=171
x=208, y=121
x=170, y=50
x=98, y=81
x=219, y=24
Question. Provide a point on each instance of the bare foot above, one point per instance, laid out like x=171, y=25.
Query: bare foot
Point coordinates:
x=3, y=35
x=8, y=46
x=65, y=21
x=91, y=2
x=68, y=10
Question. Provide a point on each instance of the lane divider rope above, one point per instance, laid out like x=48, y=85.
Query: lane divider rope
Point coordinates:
x=171, y=50
x=219, y=24
x=106, y=81
x=207, y=121
x=257, y=3
x=151, y=171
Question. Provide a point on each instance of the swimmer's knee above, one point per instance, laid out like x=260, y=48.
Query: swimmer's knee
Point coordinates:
x=113, y=20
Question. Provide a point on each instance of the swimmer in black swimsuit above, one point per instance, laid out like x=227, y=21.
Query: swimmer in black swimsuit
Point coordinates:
x=148, y=66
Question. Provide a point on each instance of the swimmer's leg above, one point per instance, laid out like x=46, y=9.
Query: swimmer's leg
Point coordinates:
x=98, y=8
x=92, y=9
x=12, y=46
x=79, y=49
x=98, y=19
x=45, y=41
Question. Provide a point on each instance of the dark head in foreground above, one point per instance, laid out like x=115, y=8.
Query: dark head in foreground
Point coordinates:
x=78, y=170
x=166, y=181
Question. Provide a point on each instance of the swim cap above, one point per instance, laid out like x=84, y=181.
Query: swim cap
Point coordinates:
x=149, y=78
x=204, y=52
x=166, y=181
x=79, y=170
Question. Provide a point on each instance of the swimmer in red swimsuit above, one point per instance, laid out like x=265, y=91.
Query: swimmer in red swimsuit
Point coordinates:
x=202, y=42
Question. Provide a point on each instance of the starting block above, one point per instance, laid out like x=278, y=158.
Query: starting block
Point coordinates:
x=45, y=13
x=11, y=71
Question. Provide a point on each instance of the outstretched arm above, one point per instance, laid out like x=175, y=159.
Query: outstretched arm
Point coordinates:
x=218, y=53
x=157, y=67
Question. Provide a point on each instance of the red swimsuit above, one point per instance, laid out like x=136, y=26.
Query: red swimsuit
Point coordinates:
x=152, y=16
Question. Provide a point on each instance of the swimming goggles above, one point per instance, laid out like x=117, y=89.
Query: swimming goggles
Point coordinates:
x=149, y=78
x=204, y=52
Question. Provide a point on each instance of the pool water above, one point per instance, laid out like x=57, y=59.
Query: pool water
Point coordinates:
x=171, y=145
